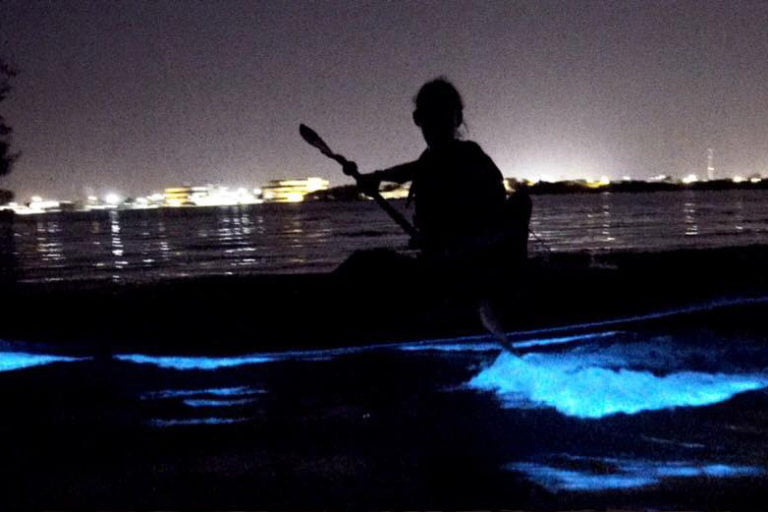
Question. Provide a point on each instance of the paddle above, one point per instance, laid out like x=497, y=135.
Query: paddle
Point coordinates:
x=350, y=169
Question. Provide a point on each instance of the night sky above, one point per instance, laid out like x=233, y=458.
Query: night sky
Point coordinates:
x=133, y=97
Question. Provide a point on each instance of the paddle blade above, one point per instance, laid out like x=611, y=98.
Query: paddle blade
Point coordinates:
x=312, y=138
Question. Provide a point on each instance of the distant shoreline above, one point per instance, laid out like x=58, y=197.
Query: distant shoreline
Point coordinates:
x=351, y=192
x=343, y=193
x=577, y=187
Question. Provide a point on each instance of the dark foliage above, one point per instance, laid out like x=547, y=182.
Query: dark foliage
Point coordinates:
x=579, y=187
x=342, y=193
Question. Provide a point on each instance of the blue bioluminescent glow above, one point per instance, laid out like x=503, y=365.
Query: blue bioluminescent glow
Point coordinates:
x=213, y=363
x=234, y=391
x=450, y=347
x=213, y=402
x=693, y=308
x=195, y=422
x=558, y=479
x=656, y=440
x=472, y=345
x=195, y=363
x=621, y=473
x=180, y=393
x=580, y=385
x=564, y=339
x=10, y=361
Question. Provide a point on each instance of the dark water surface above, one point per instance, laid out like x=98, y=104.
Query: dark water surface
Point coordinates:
x=667, y=415
x=140, y=245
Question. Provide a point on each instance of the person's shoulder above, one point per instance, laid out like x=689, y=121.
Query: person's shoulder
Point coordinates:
x=471, y=149
x=469, y=145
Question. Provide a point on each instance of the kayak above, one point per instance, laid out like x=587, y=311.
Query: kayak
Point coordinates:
x=239, y=314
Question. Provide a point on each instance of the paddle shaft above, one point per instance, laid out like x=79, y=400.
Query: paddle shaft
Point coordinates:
x=350, y=169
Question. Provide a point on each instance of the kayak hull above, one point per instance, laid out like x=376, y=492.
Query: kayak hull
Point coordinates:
x=238, y=314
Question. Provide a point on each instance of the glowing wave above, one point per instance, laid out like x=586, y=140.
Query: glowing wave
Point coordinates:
x=10, y=361
x=722, y=303
x=195, y=363
x=217, y=402
x=602, y=474
x=581, y=385
x=175, y=362
x=181, y=393
x=160, y=423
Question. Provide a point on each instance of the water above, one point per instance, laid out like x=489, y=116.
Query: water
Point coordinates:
x=307, y=237
x=662, y=415
x=666, y=415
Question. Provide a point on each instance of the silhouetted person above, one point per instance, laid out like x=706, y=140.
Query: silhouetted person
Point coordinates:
x=467, y=228
x=457, y=189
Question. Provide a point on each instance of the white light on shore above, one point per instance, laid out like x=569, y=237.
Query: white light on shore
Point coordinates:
x=294, y=197
x=691, y=178
x=112, y=199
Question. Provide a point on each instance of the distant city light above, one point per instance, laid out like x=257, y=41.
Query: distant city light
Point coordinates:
x=112, y=199
x=293, y=190
x=290, y=191
x=294, y=197
x=691, y=178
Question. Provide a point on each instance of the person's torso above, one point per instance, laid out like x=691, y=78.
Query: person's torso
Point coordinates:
x=459, y=193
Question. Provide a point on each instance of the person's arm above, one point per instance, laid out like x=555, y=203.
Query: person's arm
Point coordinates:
x=398, y=174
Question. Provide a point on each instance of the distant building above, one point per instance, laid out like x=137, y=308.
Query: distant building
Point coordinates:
x=292, y=191
x=208, y=195
x=180, y=196
x=395, y=191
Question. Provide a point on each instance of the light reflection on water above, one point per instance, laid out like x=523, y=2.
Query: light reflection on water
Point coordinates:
x=689, y=211
x=606, y=218
x=148, y=244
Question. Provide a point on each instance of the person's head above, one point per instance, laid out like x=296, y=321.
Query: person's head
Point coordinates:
x=439, y=111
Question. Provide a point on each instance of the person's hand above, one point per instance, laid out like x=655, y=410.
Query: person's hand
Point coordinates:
x=369, y=183
x=349, y=168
